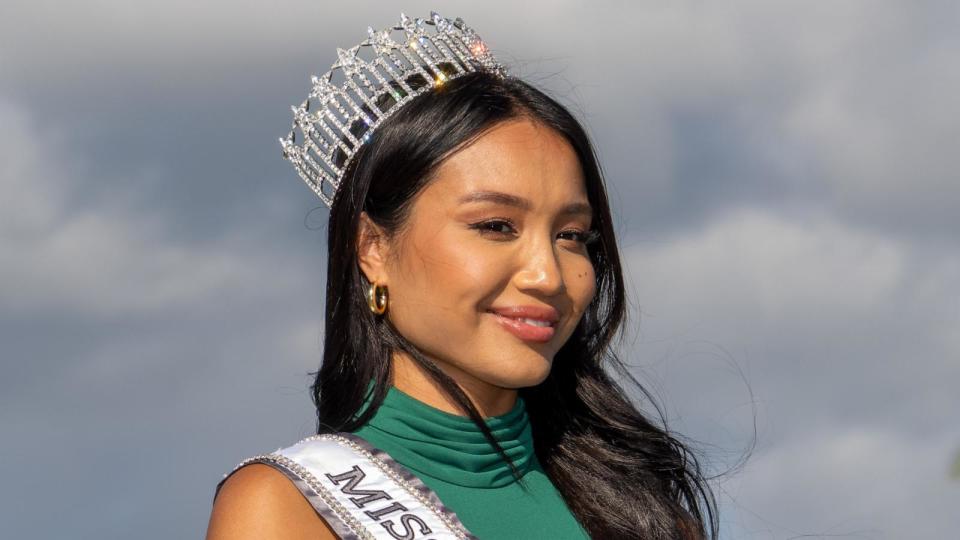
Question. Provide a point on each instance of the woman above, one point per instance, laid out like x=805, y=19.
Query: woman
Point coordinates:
x=473, y=291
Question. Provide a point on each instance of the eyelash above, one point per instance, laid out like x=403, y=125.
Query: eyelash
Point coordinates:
x=583, y=237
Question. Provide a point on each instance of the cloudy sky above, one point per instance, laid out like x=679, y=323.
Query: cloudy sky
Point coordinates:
x=781, y=172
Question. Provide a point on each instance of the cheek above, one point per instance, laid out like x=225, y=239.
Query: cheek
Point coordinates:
x=583, y=285
x=441, y=273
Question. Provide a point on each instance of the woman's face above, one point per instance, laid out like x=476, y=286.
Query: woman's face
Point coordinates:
x=490, y=274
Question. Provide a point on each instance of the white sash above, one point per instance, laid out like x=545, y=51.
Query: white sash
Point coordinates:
x=361, y=492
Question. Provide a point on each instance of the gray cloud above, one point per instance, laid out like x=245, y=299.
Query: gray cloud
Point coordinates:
x=851, y=361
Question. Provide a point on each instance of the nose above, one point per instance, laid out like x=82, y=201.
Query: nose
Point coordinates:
x=540, y=270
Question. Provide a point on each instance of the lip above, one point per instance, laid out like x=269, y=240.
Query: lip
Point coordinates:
x=509, y=318
x=543, y=313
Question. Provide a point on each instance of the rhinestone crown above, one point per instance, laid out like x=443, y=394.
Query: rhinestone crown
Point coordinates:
x=348, y=102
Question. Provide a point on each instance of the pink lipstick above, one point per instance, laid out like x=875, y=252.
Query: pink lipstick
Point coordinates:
x=529, y=323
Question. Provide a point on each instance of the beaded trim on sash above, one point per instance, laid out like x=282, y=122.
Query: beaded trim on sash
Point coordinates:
x=360, y=491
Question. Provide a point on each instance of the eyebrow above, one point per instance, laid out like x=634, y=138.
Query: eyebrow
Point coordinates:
x=498, y=197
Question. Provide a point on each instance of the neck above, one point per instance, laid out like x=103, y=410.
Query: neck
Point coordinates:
x=490, y=400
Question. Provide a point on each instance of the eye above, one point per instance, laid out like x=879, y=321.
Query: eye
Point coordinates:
x=503, y=229
x=496, y=227
x=583, y=237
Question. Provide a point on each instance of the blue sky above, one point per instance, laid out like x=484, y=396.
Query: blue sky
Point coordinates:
x=784, y=176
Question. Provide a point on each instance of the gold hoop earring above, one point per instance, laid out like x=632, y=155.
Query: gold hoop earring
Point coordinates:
x=377, y=298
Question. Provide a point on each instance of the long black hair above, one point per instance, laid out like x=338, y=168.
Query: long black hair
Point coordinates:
x=622, y=475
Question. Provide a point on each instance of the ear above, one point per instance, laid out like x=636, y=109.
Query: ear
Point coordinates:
x=371, y=250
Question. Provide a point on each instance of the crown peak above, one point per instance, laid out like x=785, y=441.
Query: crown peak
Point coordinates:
x=348, y=58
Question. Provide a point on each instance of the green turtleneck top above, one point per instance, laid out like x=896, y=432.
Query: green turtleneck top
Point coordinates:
x=451, y=456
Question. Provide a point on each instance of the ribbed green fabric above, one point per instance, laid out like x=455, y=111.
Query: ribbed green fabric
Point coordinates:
x=451, y=456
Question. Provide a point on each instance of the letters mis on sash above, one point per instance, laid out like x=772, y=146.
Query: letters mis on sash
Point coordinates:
x=362, y=492
x=373, y=498
x=348, y=482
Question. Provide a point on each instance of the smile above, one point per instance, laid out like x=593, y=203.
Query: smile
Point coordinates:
x=535, y=322
x=527, y=329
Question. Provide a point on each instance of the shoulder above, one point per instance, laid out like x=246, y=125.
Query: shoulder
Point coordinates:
x=258, y=501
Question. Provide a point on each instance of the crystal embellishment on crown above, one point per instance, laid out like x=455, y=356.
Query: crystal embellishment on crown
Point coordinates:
x=348, y=102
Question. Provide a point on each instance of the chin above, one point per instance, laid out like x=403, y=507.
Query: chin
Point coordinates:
x=530, y=373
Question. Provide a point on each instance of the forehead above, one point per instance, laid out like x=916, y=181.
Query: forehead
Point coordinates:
x=517, y=157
